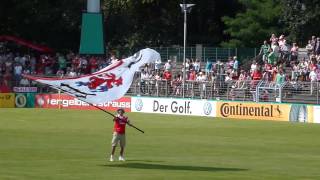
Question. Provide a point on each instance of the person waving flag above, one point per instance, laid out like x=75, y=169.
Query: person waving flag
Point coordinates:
x=119, y=136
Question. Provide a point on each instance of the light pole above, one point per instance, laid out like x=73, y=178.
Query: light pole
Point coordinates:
x=185, y=9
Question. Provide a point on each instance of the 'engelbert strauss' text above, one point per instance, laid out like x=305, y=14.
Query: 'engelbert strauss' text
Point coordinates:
x=76, y=102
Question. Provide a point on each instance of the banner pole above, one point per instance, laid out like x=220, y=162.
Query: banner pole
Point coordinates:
x=59, y=92
x=129, y=124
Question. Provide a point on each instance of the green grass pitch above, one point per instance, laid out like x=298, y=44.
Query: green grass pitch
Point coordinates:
x=70, y=144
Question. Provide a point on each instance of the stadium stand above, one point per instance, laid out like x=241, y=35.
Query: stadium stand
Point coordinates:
x=279, y=73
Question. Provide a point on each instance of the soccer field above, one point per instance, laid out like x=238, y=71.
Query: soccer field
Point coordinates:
x=70, y=144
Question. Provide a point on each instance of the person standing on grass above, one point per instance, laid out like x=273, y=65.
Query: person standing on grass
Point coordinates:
x=120, y=122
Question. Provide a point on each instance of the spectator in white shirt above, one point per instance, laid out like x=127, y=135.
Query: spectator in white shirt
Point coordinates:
x=309, y=48
x=273, y=40
x=254, y=66
x=281, y=40
x=71, y=72
x=313, y=78
x=113, y=58
x=196, y=66
x=17, y=71
x=157, y=65
x=24, y=82
x=144, y=80
x=202, y=78
x=168, y=65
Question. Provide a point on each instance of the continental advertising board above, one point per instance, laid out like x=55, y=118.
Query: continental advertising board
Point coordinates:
x=65, y=101
x=173, y=106
x=265, y=111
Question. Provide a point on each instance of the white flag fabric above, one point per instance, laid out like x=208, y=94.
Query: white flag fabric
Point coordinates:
x=110, y=83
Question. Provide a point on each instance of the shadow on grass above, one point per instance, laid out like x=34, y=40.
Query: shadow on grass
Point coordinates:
x=172, y=167
x=148, y=161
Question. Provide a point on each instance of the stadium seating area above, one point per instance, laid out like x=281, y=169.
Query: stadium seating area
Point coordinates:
x=287, y=72
x=14, y=63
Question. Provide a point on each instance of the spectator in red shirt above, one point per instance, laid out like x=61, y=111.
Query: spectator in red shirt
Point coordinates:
x=76, y=64
x=167, y=75
x=176, y=84
x=192, y=75
x=4, y=87
x=93, y=63
x=119, y=130
x=41, y=65
x=256, y=75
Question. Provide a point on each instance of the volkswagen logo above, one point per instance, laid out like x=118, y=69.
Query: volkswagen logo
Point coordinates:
x=138, y=105
x=207, y=108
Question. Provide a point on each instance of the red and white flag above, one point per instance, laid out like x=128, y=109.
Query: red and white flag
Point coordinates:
x=108, y=84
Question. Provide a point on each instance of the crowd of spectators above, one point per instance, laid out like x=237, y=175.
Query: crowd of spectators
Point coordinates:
x=279, y=62
x=14, y=64
x=172, y=74
x=279, y=56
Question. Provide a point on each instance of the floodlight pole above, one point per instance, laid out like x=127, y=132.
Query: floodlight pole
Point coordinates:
x=185, y=8
x=184, y=49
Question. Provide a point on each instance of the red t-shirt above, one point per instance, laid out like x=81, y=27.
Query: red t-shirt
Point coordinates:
x=313, y=66
x=4, y=89
x=93, y=63
x=75, y=62
x=167, y=75
x=256, y=75
x=192, y=76
x=120, y=124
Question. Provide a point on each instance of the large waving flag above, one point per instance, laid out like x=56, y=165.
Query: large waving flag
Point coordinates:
x=108, y=84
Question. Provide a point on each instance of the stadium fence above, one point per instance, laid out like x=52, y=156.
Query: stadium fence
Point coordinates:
x=249, y=90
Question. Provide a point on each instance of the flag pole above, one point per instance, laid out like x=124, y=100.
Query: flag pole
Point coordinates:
x=97, y=107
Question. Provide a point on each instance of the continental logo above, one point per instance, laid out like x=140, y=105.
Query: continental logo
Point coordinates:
x=227, y=110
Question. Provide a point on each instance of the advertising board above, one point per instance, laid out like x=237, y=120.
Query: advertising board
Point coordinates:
x=265, y=111
x=7, y=100
x=65, y=101
x=173, y=106
x=257, y=111
x=316, y=114
x=25, y=89
x=24, y=100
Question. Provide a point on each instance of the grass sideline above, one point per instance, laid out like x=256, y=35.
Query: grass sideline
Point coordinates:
x=70, y=144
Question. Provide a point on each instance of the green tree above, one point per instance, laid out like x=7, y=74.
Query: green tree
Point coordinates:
x=55, y=23
x=300, y=18
x=132, y=23
x=128, y=23
x=257, y=20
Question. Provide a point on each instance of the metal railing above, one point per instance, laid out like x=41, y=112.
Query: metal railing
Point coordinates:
x=205, y=53
x=219, y=89
x=202, y=53
x=249, y=90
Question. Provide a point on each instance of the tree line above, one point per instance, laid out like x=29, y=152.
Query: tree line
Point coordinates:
x=132, y=24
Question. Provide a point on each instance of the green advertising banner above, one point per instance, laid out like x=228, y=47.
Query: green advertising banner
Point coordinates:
x=25, y=100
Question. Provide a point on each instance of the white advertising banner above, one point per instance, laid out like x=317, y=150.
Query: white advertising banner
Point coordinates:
x=316, y=114
x=173, y=106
